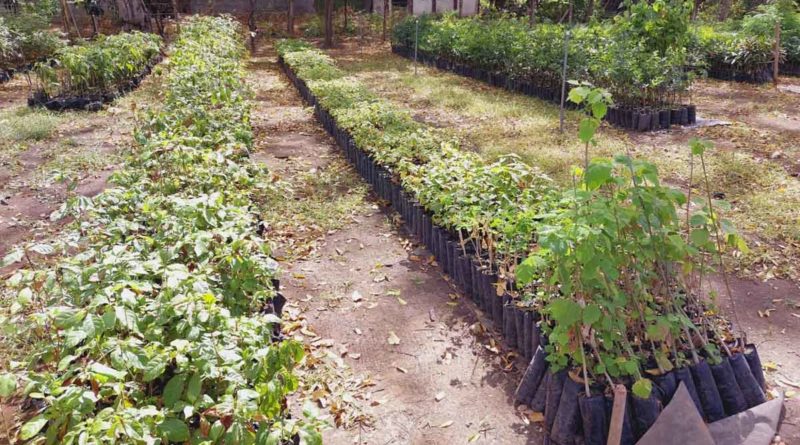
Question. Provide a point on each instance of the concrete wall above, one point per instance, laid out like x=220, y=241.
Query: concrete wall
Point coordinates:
x=468, y=7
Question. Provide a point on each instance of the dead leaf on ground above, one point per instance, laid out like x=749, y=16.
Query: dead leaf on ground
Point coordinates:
x=393, y=338
x=401, y=369
x=446, y=424
x=357, y=296
x=439, y=396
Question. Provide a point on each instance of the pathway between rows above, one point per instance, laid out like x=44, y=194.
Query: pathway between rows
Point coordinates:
x=429, y=373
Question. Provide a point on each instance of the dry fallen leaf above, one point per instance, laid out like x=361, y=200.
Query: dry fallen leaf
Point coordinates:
x=355, y=356
x=356, y=296
x=536, y=417
x=439, y=396
x=401, y=301
x=446, y=424
x=393, y=338
x=403, y=370
x=357, y=331
x=473, y=437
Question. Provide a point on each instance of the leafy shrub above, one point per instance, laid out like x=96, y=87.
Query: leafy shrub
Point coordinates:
x=101, y=65
x=160, y=328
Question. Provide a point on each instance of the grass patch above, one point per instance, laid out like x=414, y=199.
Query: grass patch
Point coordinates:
x=315, y=203
x=25, y=124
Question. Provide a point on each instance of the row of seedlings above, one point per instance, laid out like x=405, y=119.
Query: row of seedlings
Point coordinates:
x=161, y=322
x=649, y=85
x=516, y=244
x=85, y=76
x=25, y=38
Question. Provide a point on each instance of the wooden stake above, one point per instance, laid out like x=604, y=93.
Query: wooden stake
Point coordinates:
x=617, y=415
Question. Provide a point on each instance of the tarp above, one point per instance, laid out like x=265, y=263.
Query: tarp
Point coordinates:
x=680, y=424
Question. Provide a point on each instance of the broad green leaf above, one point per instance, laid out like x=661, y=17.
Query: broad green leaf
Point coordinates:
x=586, y=129
x=8, y=384
x=173, y=390
x=194, y=387
x=642, y=388
x=564, y=311
x=174, y=430
x=99, y=369
x=591, y=314
x=32, y=427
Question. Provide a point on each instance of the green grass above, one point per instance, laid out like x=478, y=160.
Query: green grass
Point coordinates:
x=494, y=122
x=25, y=124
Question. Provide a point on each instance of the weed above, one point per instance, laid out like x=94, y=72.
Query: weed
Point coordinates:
x=24, y=124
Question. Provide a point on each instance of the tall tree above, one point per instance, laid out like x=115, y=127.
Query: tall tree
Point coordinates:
x=724, y=10
x=290, y=18
x=534, y=5
x=328, y=23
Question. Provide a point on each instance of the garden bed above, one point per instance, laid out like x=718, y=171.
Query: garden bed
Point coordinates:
x=760, y=74
x=721, y=389
x=637, y=119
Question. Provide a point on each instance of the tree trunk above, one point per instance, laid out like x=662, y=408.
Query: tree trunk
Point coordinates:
x=290, y=18
x=724, y=10
x=589, y=10
x=177, y=15
x=385, y=7
x=534, y=5
x=696, y=9
x=251, y=26
x=328, y=23
x=345, y=16
x=433, y=6
x=776, y=53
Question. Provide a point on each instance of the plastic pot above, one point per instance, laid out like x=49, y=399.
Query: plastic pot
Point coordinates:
x=527, y=325
x=539, y=400
x=554, y=388
x=713, y=409
x=645, y=412
x=567, y=424
x=750, y=387
x=754, y=362
x=534, y=374
x=666, y=385
x=732, y=397
x=684, y=375
x=519, y=321
x=509, y=324
x=594, y=419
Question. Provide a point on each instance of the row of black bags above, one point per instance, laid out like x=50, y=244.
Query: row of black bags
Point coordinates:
x=719, y=390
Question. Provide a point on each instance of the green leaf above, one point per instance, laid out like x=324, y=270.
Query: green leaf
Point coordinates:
x=591, y=314
x=597, y=174
x=12, y=257
x=194, y=387
x=699, y=237
x=154, y=368
x=32, y=427
x=173, y=390
x=99, y=369
x=565, y=312
x=577, y=94
x=174, y=430
x=642, y=388
x=599, y=109
x=8, y=384
x=586, y=129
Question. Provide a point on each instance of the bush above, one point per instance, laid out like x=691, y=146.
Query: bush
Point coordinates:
x=102, y=65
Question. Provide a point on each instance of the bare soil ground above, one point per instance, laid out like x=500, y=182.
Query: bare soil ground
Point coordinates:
x=412, y=364
x=36, y=146
x=755, y=166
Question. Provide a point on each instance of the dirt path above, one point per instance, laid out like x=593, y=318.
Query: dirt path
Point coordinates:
x=36, y=145
x=427, y=373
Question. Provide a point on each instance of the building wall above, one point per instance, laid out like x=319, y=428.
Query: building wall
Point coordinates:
x=468, y=7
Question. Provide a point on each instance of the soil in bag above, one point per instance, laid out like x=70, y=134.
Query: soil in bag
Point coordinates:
x=533, y=376
x=750, y=388
x=713, y=409
x=540, y=397
x=645, y=412
x=567, y=425
x=554, y=387
x=754, y=362
x=732, y=398
x=594, y=419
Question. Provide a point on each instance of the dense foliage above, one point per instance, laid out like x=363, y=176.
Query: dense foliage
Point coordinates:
x=747, y=45
x=609, y=262
x=161, y=327
x=96, y=66
x=25, y=36
x=639, y=58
